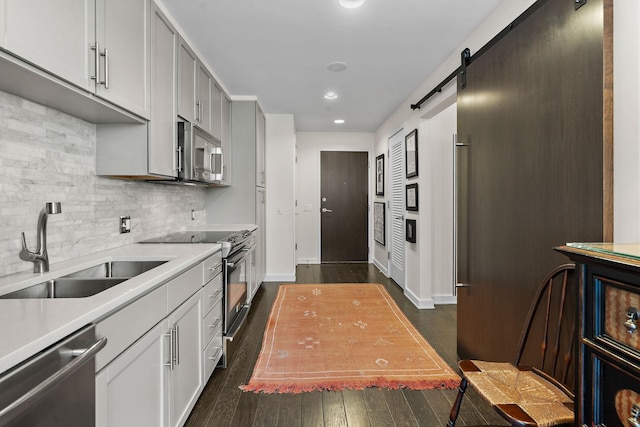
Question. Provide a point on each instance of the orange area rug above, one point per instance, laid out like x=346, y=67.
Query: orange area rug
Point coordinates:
x=343, y=336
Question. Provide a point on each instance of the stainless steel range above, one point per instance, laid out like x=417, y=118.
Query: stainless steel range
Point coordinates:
x=236, y=249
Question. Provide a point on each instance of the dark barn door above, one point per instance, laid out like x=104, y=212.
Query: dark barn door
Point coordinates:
x=531, y=170
x=344, y=198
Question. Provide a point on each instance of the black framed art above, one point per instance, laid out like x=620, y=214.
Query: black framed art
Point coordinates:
x=412, y=197
x=380, y=175
x=378, y=222
x=411, y=153
x=411, y=230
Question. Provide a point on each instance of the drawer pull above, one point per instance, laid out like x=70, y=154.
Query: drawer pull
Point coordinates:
x=630, y=323
x=635, y=413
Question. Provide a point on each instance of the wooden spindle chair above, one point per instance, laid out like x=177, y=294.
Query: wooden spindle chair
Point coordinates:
x=537, y=389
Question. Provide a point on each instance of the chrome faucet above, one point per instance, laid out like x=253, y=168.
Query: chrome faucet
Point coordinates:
x=40, y=258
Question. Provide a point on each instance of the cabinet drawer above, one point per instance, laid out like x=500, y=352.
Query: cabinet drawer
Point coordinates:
x=617, y=302
x=212, y=324
x=182, y=287
x=212, y=293
x=124, y=327
x=212, y=266
x=614, y=392
x=211, y=356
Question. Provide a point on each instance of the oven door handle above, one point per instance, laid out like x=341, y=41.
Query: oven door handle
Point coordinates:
x=238, y=258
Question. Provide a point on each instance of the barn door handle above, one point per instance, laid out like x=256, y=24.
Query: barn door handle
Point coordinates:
x=324, y=210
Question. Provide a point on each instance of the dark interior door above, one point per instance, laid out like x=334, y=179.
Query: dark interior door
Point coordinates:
x=344, y=198
x=530, y=172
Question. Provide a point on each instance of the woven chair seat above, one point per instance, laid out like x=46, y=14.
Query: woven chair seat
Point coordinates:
x=510, y=389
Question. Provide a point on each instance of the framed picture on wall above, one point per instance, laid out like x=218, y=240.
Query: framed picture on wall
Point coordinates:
x=411, y=153
x=378, y=222
x=380, y=175
x=412, y=197
x=411, y=230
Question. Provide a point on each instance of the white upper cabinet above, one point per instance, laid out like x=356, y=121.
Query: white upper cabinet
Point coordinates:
x=216, y=112
x=203, y=97
x=162, y=126
x=187, y=66
x=261, y=178
x=54, y=35
x=70, y=38
x=122, y=34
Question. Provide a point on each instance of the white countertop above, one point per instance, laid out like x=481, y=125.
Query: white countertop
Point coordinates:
x=31, y=325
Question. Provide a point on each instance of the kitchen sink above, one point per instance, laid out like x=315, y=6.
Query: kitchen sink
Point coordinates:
x=86, y=282
x=116, y=269
x=65, y=288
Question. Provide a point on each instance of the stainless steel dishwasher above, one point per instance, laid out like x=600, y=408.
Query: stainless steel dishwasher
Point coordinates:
x=54, y=388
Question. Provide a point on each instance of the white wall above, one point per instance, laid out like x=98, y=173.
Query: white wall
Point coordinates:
x=309, y=146
x=626, y=119
x=280, y=198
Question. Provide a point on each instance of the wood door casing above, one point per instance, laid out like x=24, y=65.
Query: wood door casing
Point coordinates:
x=344, y=183
x=532, y=118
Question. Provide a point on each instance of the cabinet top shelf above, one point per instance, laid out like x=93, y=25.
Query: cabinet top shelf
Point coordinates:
x=622, y=253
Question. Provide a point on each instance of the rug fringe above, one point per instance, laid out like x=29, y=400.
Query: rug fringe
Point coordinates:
x=340, y=386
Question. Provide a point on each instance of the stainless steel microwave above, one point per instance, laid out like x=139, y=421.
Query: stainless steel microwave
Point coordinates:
x=200, y=156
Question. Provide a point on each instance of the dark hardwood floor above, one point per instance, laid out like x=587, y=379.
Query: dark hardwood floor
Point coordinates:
x=222, y=403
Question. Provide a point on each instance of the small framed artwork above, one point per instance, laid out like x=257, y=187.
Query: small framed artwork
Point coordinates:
x=380, y=175
x=411, y=153
x=378, y=222
x=412, y=197
x=411, y=230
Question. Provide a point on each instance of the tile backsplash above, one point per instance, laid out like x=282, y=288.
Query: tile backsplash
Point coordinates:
x=49, y=156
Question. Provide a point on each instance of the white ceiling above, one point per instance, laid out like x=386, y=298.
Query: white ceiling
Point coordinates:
x=278, y=50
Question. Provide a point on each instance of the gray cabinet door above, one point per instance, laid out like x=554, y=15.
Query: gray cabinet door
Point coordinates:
x=225, y=137
x=54, y=35
x=187, y=63
x=162, y=126
x=203, y=97
x=122, y=32
x=261, y=180
x=216, y=111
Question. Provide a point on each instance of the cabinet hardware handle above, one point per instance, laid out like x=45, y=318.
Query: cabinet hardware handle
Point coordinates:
x=216, y=294
x=635, y=413
x=106, y=68
x=170, y=336
x=630, y=323
x=96, y=76
x=177, y=345
x=217, y=354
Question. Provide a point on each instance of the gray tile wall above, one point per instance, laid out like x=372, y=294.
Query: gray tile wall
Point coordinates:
x=46, y=155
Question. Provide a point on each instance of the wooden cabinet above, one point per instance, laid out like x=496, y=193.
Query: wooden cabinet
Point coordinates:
x=609, y=362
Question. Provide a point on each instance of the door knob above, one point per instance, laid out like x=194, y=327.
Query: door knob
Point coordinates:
x=326, y=210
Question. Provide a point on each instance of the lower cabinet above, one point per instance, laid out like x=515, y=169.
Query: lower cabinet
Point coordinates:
x=158, y=379
x=132, y=390
x=185, y=378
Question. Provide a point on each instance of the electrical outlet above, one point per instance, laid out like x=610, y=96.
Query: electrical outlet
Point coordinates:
x=125, y=224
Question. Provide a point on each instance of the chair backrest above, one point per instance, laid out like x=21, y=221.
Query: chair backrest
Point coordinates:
x=547, y=342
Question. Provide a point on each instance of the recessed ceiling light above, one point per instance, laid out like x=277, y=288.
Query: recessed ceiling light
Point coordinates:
x=330, y=95
x=337, y=66
x=338, y=121
x=351, y=4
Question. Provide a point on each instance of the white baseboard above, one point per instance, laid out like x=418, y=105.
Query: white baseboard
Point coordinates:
x=308, y=261
x=279, y=278
x=382, y=269
x=422, y=304
x=445, y=299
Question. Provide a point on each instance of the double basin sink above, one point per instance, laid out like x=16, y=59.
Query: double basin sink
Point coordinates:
x=87, y=282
